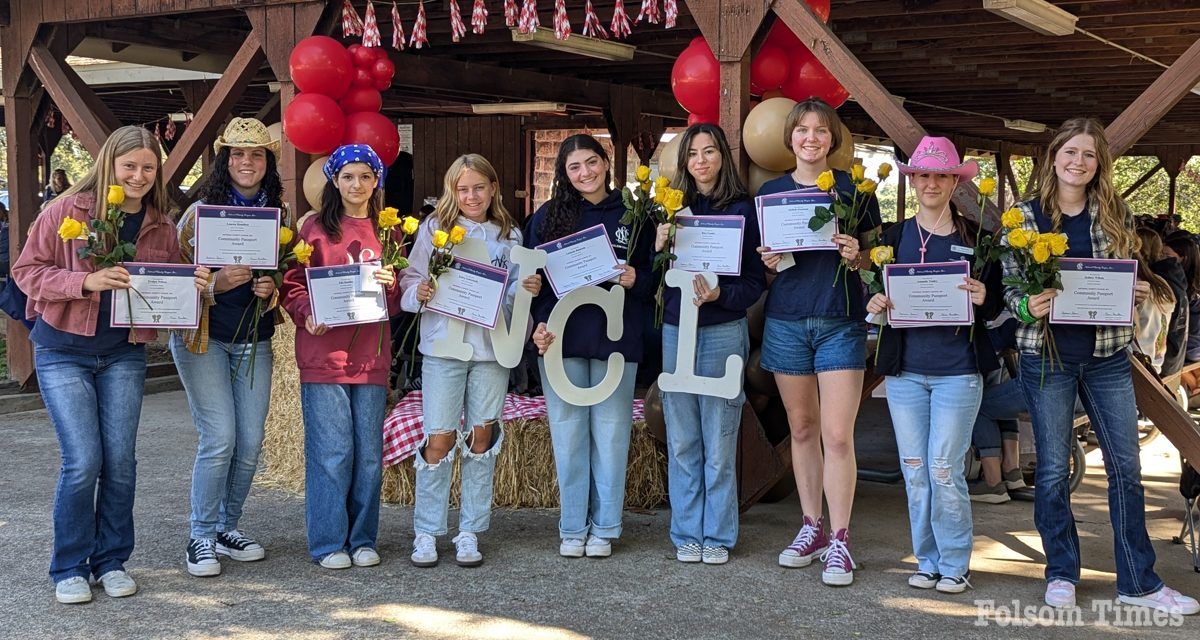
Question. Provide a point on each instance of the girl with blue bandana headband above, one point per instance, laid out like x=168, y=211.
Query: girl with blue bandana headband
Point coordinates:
x=343, y=380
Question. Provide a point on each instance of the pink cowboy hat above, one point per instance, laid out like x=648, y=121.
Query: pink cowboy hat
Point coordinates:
x=938, y=155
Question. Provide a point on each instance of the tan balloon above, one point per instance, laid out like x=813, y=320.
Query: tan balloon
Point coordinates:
x=276, y=131
x=843, y=156
x=763, y=136
x=314, y=182
x=759, y=175
x=668, y=157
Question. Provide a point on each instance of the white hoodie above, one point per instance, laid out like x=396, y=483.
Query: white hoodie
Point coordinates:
x=433, y=325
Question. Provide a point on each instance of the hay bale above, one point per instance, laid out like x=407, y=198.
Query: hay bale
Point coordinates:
x=525, y=473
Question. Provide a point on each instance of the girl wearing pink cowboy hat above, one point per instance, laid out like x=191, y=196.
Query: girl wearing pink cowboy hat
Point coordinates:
x=935, y=373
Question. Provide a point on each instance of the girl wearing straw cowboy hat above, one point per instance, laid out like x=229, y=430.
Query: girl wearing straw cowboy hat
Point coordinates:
x=934, y=374
x=228, y=401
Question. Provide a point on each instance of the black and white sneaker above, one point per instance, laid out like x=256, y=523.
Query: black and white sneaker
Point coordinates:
x=202, y=558
x=954, y=584
x=239, y=546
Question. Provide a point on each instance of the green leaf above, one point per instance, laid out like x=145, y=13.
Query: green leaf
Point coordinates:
x=130, y=250
x=626, y=199
x=1013, y=281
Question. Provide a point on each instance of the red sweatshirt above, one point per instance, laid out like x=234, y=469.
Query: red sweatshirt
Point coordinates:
x=328, y=358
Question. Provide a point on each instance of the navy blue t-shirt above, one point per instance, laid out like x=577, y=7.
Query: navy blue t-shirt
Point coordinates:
x=1076, y=343
x=808, y=289
x=232, y=314
x=108, y=340
x=934, y=351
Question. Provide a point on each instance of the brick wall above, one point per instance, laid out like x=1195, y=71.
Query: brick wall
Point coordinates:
x=546, y=144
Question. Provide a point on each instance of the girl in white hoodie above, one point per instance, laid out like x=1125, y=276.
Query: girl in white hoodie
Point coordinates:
x=471, y=200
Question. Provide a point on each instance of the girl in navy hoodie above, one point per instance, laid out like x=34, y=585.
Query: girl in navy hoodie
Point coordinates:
x=591, y=444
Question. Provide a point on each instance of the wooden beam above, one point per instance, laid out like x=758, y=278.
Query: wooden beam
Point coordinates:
x=1161, y=406
x=24, y=189
x=89, y=118
x=211, y=115
x=1142, y=180
x=1163, y=94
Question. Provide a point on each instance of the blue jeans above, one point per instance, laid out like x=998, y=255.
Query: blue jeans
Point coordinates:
x=702, y=434
x=343, y=464
x=931, y=415
x=997, y=420
x=95, y=403
x=591, y=450
x=229, y=414
x=1106, y=388
x=447, y=386
x=814, y=345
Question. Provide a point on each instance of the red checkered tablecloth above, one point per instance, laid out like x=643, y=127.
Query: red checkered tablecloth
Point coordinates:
x=402, y=430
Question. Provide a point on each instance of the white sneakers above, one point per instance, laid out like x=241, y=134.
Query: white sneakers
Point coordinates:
x=73, y=590
x=424, y=551
x=598, y=547
x=336, y=560
x=466, y=546
x=118, y=584
x=571, y=548
x=365, y=557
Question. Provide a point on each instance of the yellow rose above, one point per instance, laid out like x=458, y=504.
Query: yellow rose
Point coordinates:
x=116, y=195
x=439, y=238
x=867, y=186
x=885, y=170
x=457, y=234
x=987, y=187
x=303, y=251
x=410, y=225
x=285, y=235
x=642, y=173
x=389, y=218
x=857, y=172
x=882, y=255
x=659, y=194
x=1058, y=243
x=825, y=181
x=645, y=184
x=1041, y=252
x=1018, y=238
x=672, y=201
x=71, y=229
x=1012, y=218
x=662, y=182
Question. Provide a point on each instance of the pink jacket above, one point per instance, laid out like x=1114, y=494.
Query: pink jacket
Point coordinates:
x=51, y=273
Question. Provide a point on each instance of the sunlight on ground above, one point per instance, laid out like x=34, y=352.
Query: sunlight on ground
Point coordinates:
x=935, y=606
x=435, y=623
x=237, y=633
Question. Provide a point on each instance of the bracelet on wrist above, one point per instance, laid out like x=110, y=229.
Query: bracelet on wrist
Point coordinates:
x=1023, y=311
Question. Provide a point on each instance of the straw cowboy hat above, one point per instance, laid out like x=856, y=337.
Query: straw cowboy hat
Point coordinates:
x=938, y=155
x=246, y=133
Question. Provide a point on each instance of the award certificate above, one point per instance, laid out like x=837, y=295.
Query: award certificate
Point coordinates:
x=783, y=221
x=580, y=259
x=336, y=299
x=1098, y=292
x=242, y=236
x=709, y=243
x=925, y=295
x=472, y=292
x=166, y=297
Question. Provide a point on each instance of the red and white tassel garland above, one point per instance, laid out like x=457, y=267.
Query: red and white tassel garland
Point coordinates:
x=591, y=23
x=371, y=36
x=649, y=11
x=671, y=11
x=511, y=13
x=528, y=22
x=479, y=16
x=620, y=21
x=351, y=24
x=418, y=37
x=457, y=28
x=562, y=24
x=397, y=29
x=170, y=132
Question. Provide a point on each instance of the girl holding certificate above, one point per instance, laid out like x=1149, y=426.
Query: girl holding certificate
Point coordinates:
x=591, y=443
x=470, y=200
x=702, y=430
x=1077, y=197
x=228, y=401
x=90, y=373
x=934, y=374
x=814, y=341
x=343, y=371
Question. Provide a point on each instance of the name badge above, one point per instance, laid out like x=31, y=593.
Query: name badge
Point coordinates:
x=968, y=251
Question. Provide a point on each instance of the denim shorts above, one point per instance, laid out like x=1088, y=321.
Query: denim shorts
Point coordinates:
x=814, y=345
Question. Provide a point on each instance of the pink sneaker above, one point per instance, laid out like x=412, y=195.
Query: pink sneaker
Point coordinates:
x=809, y=543
x=1165, y=599
x=839, y=566
x=1060, y=594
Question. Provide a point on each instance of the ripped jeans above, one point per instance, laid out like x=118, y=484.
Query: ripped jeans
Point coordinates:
x=449, y=386
x=933, y=418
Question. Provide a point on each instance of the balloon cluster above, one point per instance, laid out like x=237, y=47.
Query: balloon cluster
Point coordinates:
x=340, y=99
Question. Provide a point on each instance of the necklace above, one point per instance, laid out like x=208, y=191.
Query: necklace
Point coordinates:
x=925, y=238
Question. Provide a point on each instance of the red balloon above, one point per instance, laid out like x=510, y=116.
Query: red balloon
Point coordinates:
x=376, y=131
x=352, y=48
x=363, y=57
x=314, y=123
x=781, y=36
x=696, y=78
x=381, y=85
x=383, y=69
x=379, y=52
x=769, y=68
x=810, y=78
x=819, y=7
x=698, y=118
x=320, y=64
x=362, y=78
x=359, y=99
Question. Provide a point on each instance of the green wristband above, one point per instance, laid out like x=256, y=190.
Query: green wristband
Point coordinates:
x=1023, y=311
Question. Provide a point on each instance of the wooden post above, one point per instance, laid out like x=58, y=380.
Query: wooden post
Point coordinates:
x=735, y=106
x=90, y=118
x=1173, y=162
x=1164, y=93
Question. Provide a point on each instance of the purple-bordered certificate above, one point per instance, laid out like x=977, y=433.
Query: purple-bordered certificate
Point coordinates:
x=337, y=298
x=783, y=221
x=242, y=236
x=472, y=292
x=580, y=259
x=928, y=294
x=166, y=297
x=1094, y=292
x=709, y=243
